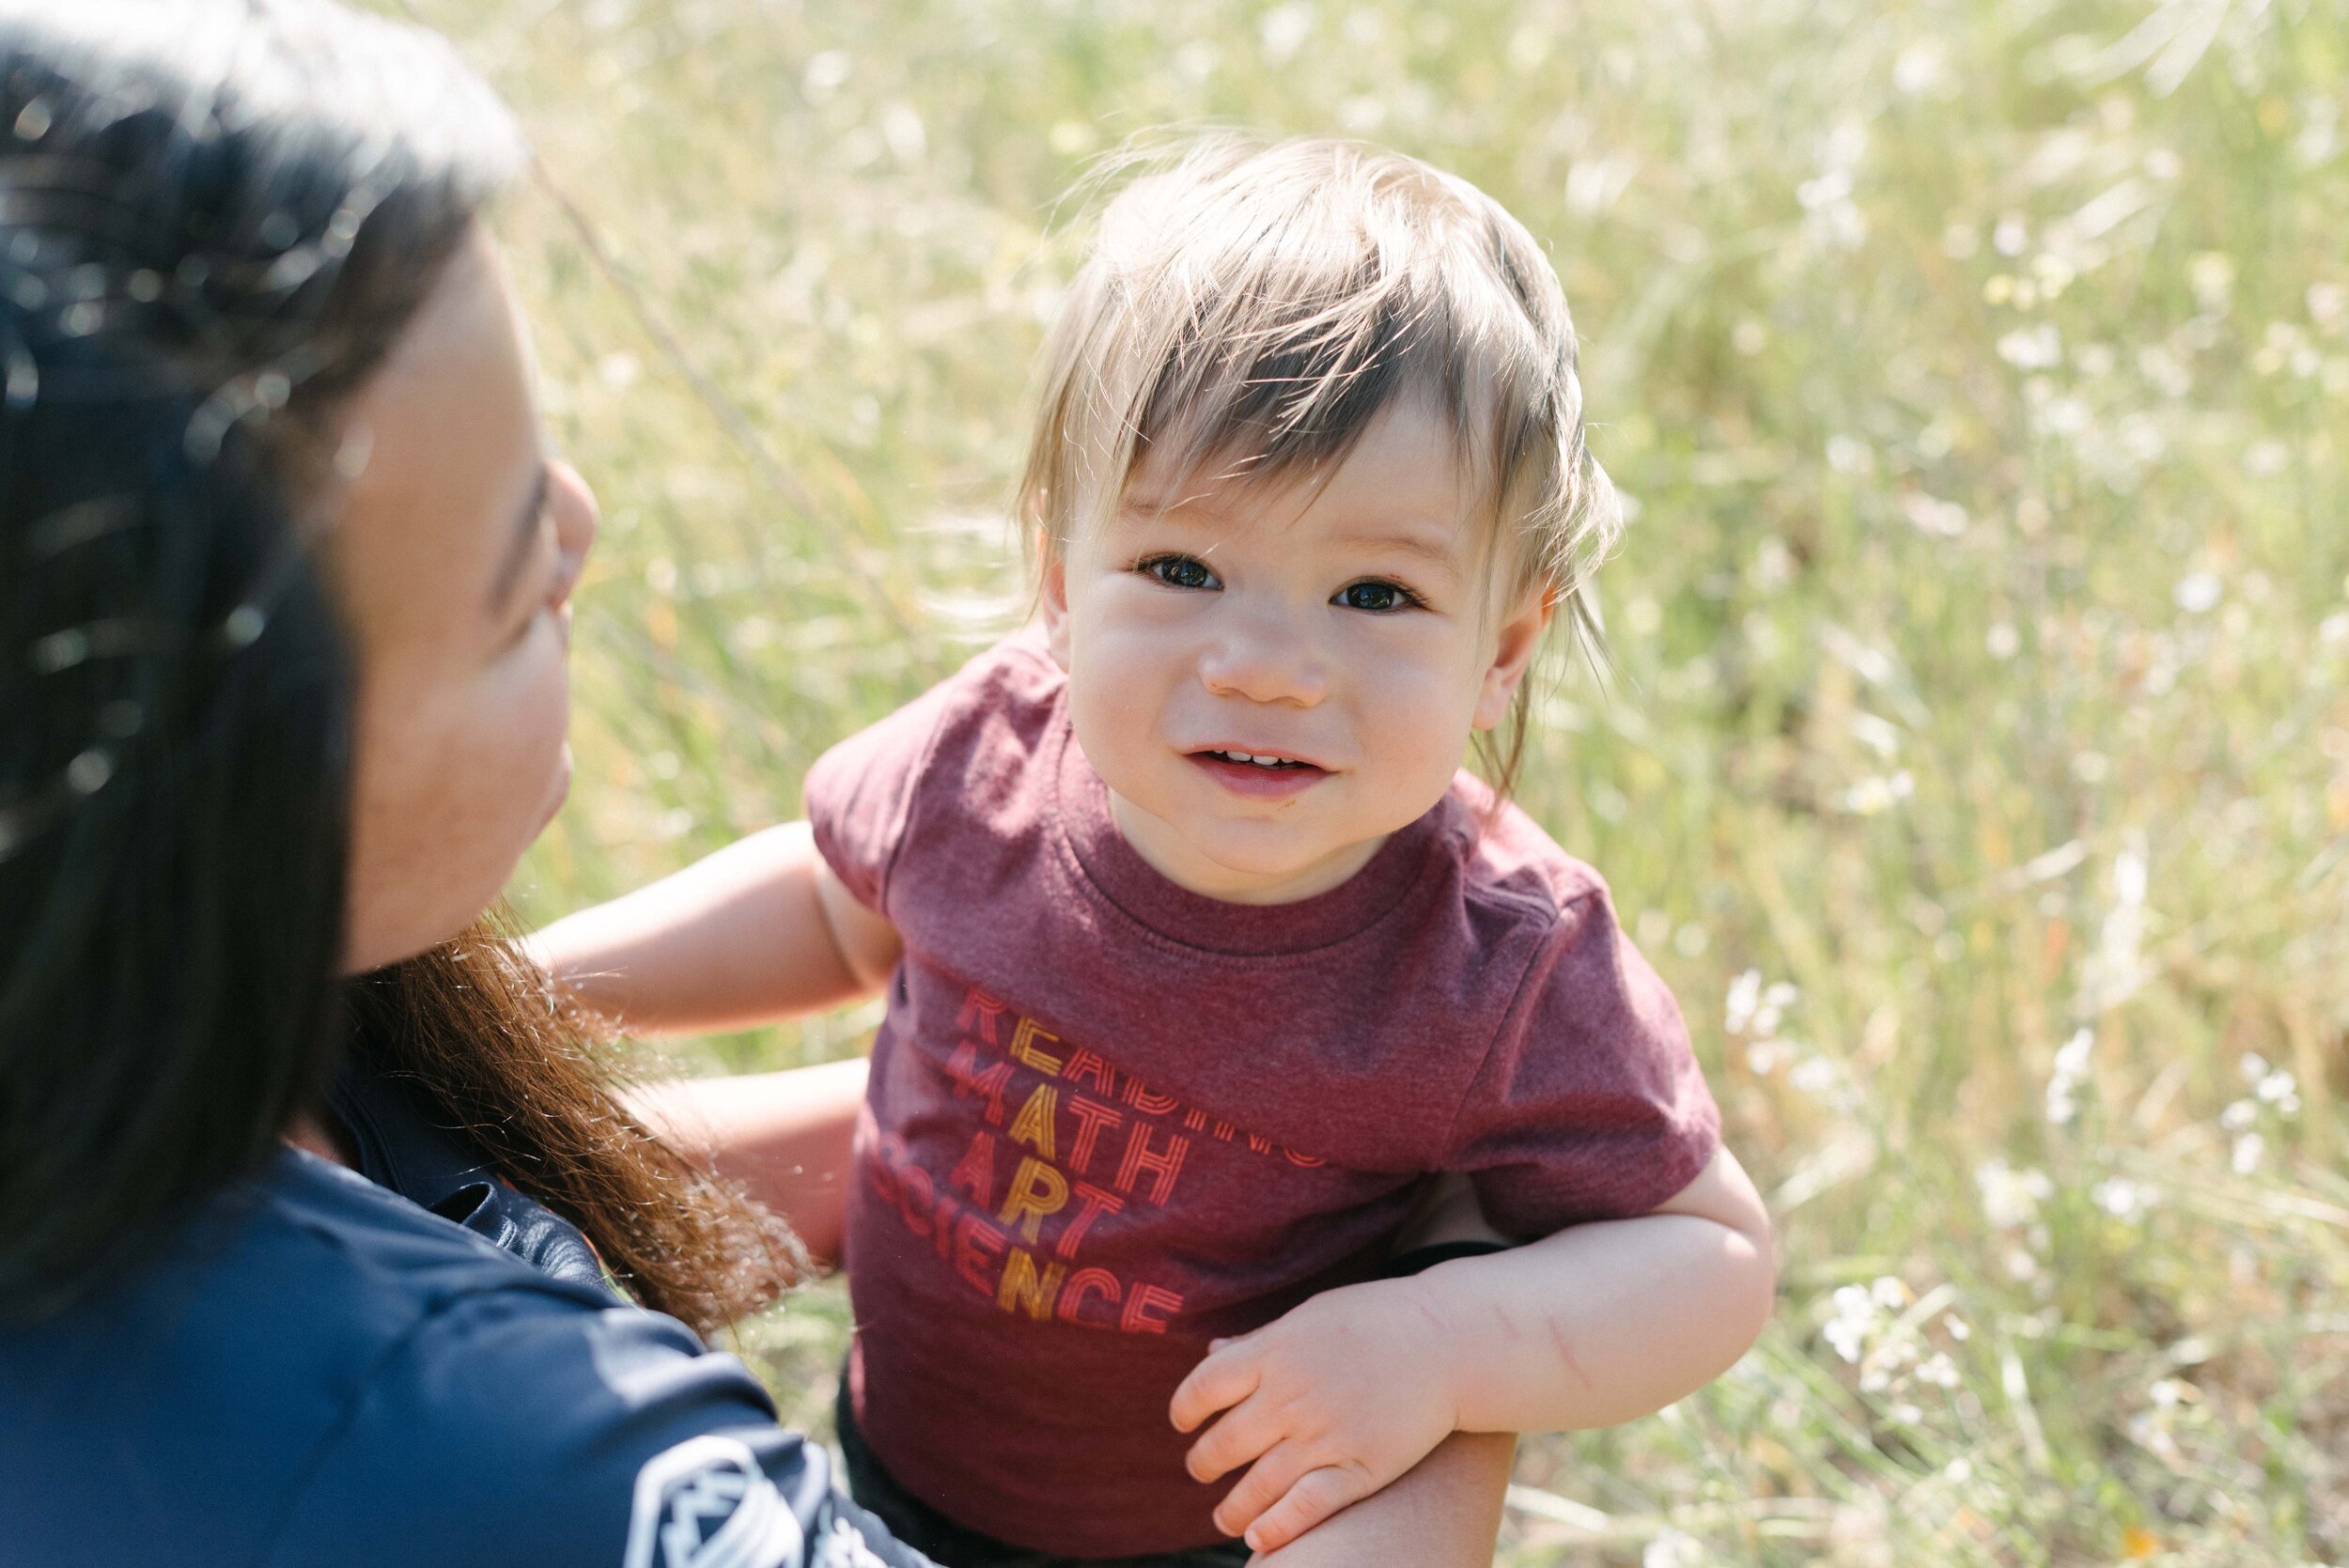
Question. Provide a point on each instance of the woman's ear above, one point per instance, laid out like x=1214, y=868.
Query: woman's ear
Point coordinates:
x=1520, y=640
x=1053, y=598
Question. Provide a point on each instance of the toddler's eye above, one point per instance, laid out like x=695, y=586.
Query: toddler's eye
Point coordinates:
x=1378, y=599
x=1179, y=571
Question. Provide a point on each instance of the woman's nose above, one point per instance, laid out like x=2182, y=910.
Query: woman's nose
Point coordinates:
x=572, y=506
x=1266, y=658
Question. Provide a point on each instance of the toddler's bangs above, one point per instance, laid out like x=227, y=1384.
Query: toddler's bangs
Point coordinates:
x=1249, y=310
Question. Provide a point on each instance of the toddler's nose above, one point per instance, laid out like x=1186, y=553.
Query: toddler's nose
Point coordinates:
x=1266, y=659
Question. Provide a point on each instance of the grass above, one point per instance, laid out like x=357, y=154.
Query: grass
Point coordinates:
x=1976, y=761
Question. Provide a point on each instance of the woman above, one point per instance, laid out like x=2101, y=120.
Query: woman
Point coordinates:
x=285, y=578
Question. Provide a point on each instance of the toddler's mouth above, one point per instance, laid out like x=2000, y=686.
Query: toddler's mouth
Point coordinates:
x=1259, y=774
x=1257, y=759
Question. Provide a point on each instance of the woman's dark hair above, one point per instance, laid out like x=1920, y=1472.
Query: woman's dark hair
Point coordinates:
x=216, y=219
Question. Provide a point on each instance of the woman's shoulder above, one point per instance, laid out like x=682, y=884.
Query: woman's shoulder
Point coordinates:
x=319, y=1371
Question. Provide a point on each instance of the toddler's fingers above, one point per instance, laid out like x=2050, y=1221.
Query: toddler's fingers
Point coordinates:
x=1267, y=1480
x=1318, y=1495
x=1239, y=1436
x=1219, y=1381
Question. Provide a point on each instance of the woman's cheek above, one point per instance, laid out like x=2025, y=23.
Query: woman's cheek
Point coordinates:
x=534, y=719
x=503, y=762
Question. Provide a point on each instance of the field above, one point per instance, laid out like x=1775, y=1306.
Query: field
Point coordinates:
x=1974, y=757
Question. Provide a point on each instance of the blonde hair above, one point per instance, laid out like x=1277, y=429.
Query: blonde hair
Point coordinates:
x=1257, y=304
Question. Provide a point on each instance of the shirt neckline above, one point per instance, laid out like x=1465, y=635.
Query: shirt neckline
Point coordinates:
x=1080, y=802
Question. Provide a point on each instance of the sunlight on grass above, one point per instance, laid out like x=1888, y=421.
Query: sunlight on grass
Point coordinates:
x=1976, y=760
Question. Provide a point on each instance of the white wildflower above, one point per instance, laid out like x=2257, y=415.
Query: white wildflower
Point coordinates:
x=2071, y=1071
x=1931, y=515
x=2072, y=1056
x=1672, y=1549
x=1853, y=1317
x=2280, y=1090
x=1847, y=454
x=826, y=72
x=1742, y=1002
x=1872, y=797
x=2198, y=592
x=2011, y=1198
x=2118, y=966
x=2120, y=1198
x=1283, y=30
x=2039, y=347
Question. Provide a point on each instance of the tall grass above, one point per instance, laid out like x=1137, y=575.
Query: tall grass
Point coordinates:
x=1975, y=762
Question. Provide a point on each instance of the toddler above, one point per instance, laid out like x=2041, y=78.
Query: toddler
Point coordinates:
x=1202, y=953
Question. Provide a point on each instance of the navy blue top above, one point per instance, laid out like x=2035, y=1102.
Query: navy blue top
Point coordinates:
x=318, y=1370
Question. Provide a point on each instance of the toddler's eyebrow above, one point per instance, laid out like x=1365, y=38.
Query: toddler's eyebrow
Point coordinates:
x=1134, y=507
x=1420, y=545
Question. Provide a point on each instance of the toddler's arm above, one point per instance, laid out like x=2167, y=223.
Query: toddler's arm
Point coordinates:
x=1595, y=1324
x=760, y=930
x=785, y=1136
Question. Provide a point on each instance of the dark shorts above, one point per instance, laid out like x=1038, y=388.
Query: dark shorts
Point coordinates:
x=953, y=1545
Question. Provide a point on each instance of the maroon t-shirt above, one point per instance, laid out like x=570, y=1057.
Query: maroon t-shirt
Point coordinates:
x=1111, y=1119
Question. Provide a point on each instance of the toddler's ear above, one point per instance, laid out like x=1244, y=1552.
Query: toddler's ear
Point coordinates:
x=1520, y=640
x=1053, y=598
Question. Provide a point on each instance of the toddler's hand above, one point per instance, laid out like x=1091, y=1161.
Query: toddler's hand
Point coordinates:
x=1331, y=1403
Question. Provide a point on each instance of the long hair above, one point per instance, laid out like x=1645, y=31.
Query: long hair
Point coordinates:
x=216, y=219
x=518, y=1068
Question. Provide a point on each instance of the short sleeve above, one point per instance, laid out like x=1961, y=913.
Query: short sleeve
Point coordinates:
x=516, y=1431
x=1590, y=1105
x=860, y=793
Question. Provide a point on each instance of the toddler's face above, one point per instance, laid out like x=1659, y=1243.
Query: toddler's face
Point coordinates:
x=1272, y=682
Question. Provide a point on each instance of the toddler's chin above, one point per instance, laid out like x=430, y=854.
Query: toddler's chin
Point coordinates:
x=1273, y=855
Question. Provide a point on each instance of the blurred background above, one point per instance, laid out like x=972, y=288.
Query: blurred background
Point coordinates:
x=1974, y=760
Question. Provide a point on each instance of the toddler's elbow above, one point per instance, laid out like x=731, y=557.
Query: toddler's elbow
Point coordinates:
x=1755, y=1285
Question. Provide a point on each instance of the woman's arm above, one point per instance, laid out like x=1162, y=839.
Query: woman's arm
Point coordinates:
x=759, y=931
x=1444, y=1512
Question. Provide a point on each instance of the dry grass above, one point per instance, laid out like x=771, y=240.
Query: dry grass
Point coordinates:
x=1981, y=371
